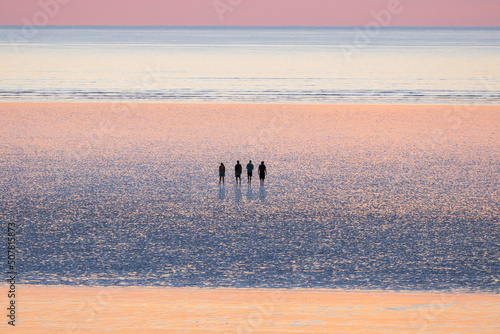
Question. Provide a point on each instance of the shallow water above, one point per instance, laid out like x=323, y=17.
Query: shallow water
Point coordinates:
x=352, y=199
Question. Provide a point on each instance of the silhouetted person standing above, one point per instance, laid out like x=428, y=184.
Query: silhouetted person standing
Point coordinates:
x=222, y=172
x=237, y=171
x=262, y=172
x=249, y=171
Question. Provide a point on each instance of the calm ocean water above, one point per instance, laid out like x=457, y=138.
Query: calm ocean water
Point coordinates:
x=256, y=65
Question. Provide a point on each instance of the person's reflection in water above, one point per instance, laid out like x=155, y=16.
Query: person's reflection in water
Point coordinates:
x=237, y=194
x=249, y=193
x=222, y=193
x=262, y=193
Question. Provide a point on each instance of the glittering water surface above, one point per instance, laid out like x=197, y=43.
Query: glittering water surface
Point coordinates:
x=353, y=199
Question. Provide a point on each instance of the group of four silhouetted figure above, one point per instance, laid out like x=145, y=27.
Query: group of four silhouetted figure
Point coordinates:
x=238, y=170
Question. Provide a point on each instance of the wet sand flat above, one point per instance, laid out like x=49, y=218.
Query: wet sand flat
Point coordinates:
x=64, y=309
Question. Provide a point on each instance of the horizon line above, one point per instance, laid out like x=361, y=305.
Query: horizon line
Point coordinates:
x=243, y=26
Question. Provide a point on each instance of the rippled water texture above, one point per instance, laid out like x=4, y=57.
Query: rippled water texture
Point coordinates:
x=368, y=197
x=252, y=65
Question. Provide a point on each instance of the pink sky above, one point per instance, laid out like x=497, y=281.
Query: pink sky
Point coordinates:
x=250, y=12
